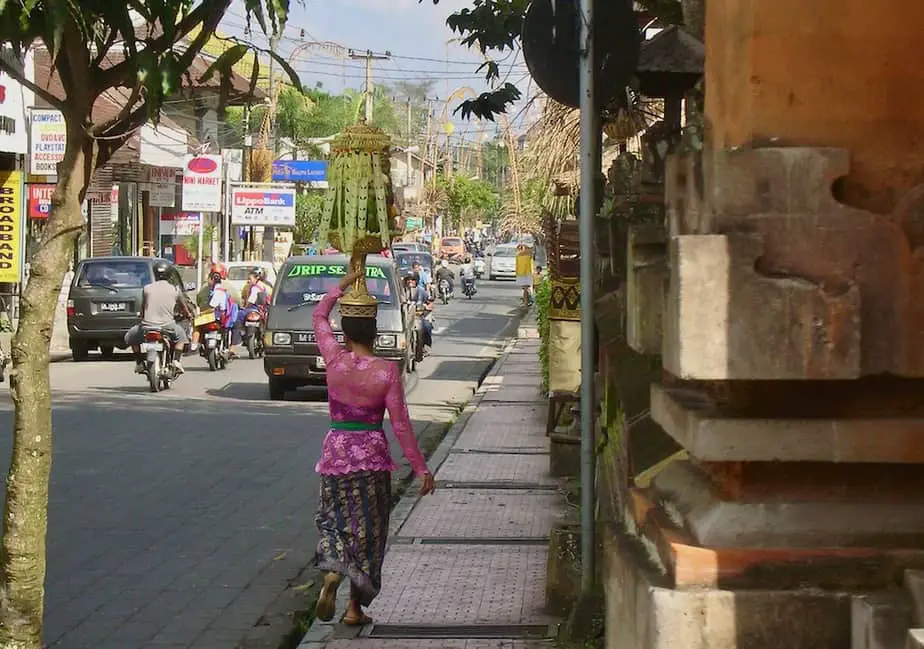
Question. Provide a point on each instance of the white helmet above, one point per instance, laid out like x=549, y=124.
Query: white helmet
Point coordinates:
x=444, y=264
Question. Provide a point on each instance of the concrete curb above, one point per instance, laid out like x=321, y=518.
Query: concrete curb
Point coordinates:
x=321, y=632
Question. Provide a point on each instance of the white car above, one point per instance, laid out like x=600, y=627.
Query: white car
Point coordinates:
x=503, y=262
x=239, y=270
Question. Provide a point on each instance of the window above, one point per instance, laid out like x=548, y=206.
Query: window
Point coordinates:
x=115, y=274
x=309, y=283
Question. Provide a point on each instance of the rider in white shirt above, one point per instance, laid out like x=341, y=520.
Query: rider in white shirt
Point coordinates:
x=467, y=273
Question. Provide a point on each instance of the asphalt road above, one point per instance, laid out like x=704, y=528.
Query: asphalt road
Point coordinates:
x=176, y=518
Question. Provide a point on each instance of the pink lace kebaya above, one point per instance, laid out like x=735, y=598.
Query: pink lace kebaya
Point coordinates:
x=361, y=389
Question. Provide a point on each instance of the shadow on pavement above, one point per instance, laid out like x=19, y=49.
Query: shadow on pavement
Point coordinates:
x=259, y=392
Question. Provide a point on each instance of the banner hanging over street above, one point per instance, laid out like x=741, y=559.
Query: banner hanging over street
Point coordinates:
x=272, y=206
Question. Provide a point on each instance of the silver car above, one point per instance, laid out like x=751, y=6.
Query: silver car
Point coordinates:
x=503, y=262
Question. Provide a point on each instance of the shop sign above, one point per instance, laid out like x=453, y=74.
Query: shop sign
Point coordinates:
x=263, y=206
x=202, y=184
x=48, y=140
x=11, y=220
x=40, y=200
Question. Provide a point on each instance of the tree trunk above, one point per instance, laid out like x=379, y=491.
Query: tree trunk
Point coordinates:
x=22, y=558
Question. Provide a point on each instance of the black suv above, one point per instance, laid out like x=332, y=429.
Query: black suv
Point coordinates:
x=105, y=301
x=292, y=358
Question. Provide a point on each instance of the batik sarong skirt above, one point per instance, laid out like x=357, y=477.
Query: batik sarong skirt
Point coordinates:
x=352, y=521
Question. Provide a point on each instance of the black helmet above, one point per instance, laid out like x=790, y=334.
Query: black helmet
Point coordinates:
x=161, y=269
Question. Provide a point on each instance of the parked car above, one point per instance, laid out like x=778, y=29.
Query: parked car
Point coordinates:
x=292, y=358
x=104, y=301
x=238, y=272
x=503, y=262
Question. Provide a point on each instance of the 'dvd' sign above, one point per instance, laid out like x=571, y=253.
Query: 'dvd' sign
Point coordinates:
x=551, y=47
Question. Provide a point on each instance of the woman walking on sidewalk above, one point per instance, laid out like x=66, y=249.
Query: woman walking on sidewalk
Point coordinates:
x=356, y=465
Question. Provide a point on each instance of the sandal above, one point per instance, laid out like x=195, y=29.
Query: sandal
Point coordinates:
x=362, y=620
x=327, y=600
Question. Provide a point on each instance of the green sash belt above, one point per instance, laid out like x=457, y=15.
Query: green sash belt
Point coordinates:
x=355, y=425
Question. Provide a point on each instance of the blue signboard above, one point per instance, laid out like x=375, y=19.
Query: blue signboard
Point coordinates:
x=300, y=170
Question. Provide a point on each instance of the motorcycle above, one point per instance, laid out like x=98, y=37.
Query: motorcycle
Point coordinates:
x=216, y=345
x=468, y=287
x=253, y=334
x=444, y=291
x=159, y=353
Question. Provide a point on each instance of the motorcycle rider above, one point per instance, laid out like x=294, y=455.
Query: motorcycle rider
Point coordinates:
x=256, y=294
x=226, y=310
x=416, y=293
x=445, y=272
x=467, y=273
x=205, y=295
x=159, y=304
x=426, y=280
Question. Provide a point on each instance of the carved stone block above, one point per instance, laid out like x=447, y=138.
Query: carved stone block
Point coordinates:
x=645, y=288
x=725, y=319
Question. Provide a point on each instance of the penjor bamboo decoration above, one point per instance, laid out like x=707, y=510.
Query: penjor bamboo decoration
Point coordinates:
x=359, y=210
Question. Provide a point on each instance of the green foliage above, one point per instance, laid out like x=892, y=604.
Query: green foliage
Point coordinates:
x=144, y=48
x=543, y=292
x=191, y=243
x=303, y=116
x=468, y=199
x=496, y=161
x=308, y=209
x=495, y=26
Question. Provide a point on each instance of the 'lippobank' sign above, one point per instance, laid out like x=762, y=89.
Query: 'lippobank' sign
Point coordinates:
x=10, y=227
x=202, y=184
x=267, y=207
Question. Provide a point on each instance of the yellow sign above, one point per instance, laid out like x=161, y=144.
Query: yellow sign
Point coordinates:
x=11, y=218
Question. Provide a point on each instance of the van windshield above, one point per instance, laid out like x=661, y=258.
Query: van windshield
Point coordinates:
x=308, y=283
x=114, y=273
x=240, y=273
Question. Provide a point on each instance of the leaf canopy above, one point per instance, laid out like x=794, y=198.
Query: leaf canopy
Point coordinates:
x=139, y=49
x=495, y=26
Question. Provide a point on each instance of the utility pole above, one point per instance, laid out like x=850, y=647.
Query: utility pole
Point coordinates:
x=410, y=140
x=369, y=56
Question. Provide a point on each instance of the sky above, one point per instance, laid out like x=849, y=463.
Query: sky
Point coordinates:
x=416, y=35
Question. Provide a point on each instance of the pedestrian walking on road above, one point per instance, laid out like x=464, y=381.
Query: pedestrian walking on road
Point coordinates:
x=524, y=260
x=356, y=465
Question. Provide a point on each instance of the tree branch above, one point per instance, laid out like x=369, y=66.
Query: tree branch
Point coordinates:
x=113, y=76
x=123, y=114
x=104, y=48
x=110, y=140
x=41, y=92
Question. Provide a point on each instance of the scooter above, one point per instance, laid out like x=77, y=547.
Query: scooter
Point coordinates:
x=253, y=333
x=159, y=353
x=444, y=291
x=468, y=287
x=215, y=347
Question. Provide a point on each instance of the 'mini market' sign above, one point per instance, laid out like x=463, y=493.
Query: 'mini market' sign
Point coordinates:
x=274, y=207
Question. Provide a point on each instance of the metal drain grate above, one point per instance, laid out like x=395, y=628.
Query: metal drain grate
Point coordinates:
x=466, y=631
x=499, y=451
x=502, y=486
x=469, y=540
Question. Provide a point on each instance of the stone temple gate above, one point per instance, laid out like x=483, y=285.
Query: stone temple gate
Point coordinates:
x=792, y=341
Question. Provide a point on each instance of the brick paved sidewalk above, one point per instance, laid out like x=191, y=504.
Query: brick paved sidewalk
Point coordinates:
x=466, y=567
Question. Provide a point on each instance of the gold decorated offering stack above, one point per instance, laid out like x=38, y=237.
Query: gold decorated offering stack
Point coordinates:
x=359, y=211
